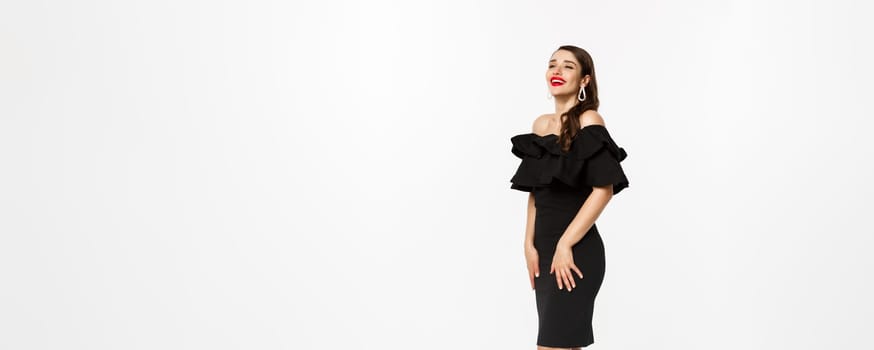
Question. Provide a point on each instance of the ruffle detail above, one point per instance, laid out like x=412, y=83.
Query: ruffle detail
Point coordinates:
x=593, y=160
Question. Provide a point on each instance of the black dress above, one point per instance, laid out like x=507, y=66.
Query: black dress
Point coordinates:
x=561, y=182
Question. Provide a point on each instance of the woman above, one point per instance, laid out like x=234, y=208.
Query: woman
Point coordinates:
x=570, y=167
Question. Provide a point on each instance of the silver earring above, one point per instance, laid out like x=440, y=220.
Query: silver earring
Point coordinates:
x=548, y=95
x=582, y=91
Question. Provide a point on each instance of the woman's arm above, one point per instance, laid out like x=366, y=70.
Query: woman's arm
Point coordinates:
x=586, y=216
x=538, y=127
x=529, y=226
x=596, y=202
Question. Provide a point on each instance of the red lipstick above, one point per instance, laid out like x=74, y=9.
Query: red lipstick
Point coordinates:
x=556, y=81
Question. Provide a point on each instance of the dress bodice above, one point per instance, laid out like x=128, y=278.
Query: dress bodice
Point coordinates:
x=592, y=160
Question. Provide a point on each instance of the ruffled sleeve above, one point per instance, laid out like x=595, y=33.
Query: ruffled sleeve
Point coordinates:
x=593, y=160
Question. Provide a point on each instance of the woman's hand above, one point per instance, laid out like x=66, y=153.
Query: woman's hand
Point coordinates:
x=533, y=264
x=563, y=266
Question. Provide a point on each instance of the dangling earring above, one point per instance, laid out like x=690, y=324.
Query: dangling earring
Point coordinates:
x=582, y=91
x=548, y=95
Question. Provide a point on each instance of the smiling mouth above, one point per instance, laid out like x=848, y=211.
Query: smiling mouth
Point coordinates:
x=556, y=82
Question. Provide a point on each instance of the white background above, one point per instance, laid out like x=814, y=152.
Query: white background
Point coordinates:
x=334, y=175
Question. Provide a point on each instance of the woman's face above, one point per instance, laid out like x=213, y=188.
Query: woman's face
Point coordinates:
x=563, y=73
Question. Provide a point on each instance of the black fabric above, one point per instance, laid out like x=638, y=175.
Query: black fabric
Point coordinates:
x=561, y=182
x=593, y=160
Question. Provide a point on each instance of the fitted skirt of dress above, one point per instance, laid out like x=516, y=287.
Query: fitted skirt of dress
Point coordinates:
x=565, y=317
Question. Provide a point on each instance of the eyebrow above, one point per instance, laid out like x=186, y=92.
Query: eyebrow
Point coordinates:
x=571, y=62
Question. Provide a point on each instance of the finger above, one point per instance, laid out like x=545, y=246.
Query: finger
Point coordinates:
x=577, y=269
x=570, y=277
x=536, y=271
x=531, y=278
x=558, y=279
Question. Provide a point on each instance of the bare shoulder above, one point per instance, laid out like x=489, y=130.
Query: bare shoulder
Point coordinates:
x=541, y=124
x=591, y=117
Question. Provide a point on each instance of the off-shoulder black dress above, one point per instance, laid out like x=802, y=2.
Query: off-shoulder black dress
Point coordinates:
x=561, y=182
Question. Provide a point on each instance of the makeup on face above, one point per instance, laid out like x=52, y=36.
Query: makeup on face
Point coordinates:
x=557, y=81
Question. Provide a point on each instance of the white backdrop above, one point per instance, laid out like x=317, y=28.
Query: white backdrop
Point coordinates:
x=334, y=175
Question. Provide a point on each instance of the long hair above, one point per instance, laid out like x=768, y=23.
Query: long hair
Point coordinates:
x=571, y=125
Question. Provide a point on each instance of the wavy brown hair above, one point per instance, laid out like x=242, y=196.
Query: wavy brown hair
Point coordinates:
x=571, y=125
